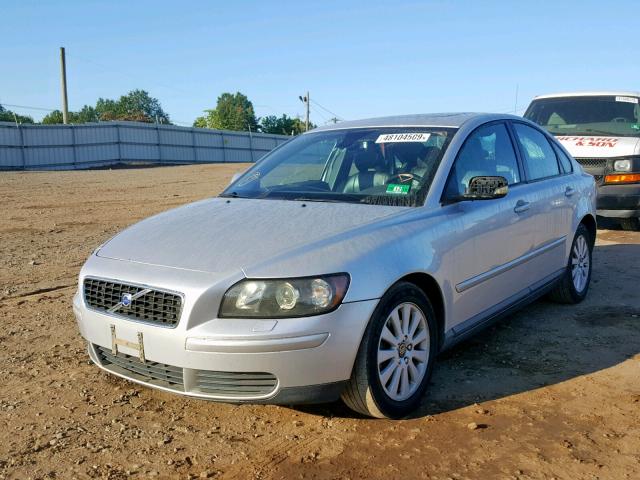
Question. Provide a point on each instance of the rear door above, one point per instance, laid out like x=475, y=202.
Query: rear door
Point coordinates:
x=551, y=199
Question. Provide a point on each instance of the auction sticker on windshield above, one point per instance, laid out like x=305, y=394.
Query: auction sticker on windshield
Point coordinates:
x=403, y=137
x=627, y=99
x=397, y=189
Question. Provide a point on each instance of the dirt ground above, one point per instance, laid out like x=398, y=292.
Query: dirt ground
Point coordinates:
x=554, y=390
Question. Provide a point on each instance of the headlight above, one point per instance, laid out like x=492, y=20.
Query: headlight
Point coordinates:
x=622, y=165
x=289, y=297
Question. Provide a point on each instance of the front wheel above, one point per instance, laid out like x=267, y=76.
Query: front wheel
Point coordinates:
x=632, y=224
x=396, y=355
x=574, y=284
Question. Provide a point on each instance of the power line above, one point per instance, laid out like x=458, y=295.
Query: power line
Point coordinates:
x=318, y=112
x=28, y=107
x=326, y=109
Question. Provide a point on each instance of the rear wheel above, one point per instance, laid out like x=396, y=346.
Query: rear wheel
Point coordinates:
x=395, y=358
x=574, y=285
x=631, y=224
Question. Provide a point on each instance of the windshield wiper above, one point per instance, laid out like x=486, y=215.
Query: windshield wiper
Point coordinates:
x=310, y=199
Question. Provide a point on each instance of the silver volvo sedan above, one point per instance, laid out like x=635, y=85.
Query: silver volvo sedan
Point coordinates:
x=342, y=262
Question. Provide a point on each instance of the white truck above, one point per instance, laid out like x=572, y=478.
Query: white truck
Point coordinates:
x=602, y=132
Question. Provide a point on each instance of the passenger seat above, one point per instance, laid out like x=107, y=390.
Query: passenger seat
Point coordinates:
x=370, y=164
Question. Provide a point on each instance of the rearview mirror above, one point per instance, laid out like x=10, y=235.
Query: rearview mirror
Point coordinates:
x=486, y=188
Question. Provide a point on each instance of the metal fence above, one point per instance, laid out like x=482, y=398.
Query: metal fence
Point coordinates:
x=92, y=145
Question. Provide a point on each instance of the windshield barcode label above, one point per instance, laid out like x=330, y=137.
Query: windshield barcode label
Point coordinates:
x=627, y=99
x=403, y=137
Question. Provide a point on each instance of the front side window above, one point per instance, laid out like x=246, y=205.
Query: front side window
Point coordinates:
x=540, y=160
x=392, y=166
x=615, y=115
x=487, y=152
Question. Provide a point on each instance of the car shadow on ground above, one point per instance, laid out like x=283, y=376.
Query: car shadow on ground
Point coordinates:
x=543, y=344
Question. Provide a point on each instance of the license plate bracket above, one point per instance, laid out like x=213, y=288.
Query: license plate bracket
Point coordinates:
x=115, y=341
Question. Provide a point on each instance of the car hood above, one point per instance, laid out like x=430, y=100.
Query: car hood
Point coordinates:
x=600, y=147
x=220, y=235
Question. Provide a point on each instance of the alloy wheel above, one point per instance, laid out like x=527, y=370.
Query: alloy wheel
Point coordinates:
x=580, y=263
x=403, y=351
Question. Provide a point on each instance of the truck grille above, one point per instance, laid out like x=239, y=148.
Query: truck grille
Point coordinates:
x=149, y=372
x=592, y=162
x=234, y=384
x=154, y=306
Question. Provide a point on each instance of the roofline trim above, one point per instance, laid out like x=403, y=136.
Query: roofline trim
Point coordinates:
x=330, y=129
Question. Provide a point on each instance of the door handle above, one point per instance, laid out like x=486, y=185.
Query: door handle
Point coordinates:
x=521, y=206
x=569, y=191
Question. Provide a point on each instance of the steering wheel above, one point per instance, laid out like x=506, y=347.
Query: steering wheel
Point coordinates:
x=404, y=178
x=619, y=120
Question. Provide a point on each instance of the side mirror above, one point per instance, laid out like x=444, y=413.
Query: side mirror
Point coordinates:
x=486, y=188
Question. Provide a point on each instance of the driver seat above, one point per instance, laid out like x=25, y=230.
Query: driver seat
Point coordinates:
x=369, y=162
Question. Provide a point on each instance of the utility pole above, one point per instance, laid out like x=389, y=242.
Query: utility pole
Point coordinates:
x=305, y=100
x=63, y=73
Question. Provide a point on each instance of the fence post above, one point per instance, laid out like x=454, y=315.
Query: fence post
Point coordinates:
x=193, y=145
x=22, y=147
x=119, y=159
x=159, y=147
x=73, y=146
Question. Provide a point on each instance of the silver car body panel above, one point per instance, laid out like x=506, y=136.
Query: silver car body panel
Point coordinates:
x=483, y=255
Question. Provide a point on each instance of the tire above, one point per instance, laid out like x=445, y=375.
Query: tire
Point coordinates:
x=632, y=224
x=409, y=354
x=569, y=290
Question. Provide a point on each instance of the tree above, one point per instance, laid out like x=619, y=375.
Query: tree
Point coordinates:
x=283, y=125
x=135, y=106
x=232, y=112
x=9, y=116
x=86, y=115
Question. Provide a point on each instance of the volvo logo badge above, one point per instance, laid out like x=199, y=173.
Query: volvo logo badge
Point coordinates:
x=126, y=299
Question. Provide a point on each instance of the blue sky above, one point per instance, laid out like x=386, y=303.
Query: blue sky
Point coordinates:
x=357, y=58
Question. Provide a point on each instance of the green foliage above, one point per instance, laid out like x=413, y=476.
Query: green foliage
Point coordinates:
x=86, y=115
x=283, y=125
x=232, y=112
x=9, y=116
x=135, y=106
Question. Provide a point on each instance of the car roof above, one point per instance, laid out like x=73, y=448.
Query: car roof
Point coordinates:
x=592, y=93
x=445, y=120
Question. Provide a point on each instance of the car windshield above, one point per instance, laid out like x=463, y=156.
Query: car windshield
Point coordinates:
x=592, y=115
x=382, y=166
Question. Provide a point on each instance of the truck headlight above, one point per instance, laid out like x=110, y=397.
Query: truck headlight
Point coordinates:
x=622, y=165
x=287, y=297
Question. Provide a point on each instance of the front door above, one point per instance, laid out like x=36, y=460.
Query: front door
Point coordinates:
x=493, y=237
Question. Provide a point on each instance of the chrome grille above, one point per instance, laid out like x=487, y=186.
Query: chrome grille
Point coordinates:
x=149, y=372
x=155, y=306
x=234, y=384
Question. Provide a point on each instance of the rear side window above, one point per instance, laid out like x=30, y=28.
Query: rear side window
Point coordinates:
x=565, y=162
x=539, y=158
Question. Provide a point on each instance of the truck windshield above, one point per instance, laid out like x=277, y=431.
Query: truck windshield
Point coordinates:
x=380, y=166
x=589, y=115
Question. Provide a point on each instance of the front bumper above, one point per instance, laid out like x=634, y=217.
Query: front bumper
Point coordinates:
x=619, y=201
x=309, y=359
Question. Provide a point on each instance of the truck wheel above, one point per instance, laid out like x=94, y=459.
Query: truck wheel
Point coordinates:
x=396, y=355
x=574, y=284
x=631, y=224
